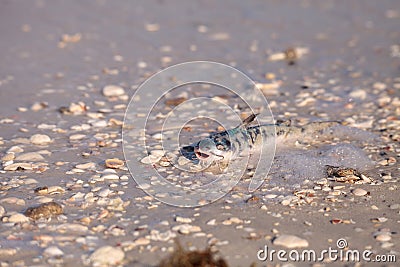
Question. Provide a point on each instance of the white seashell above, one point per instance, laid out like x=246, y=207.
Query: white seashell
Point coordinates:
x=290, y=241
x=40, y=139
x=113, y=90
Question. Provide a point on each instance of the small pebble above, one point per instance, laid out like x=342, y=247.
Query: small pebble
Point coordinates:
x=359, y=192
x=270, y=196
x=77, y=108
x=157, y=136
x=53, y=251
x=150, y=27
x=384, y=237
x=104, y=193
x=182, y=219
x=18, y=218
x=110, y=176
x=84, y=166
x=107, y=255
x=395, y=206
x=233, y=220
x=113, y=90
x=75, y=137
x=40, y=139
x=212, y=222
x=359, y=93
x=379, y=220
x=38, y=106
x=379, y=86
x=4, y=252
x=186, y=229
x=72, y=228
x=290, y=241
x=141, y=241
x=99, y=124
x=165, y=236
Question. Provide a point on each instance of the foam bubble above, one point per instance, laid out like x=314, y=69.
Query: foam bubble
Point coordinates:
x=292, y=167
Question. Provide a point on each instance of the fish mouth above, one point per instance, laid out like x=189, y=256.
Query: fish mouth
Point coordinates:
x=201, y=155
x=190, y=151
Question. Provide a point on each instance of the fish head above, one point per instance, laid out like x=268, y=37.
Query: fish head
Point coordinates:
x=217, y=148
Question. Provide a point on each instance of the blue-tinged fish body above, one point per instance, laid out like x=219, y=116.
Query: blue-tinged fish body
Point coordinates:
x=229, y=144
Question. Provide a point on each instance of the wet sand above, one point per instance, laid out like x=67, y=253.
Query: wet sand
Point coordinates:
x=55, y=53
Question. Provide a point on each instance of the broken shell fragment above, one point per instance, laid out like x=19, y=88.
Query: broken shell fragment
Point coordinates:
x=18, y=166
x=114, y=163
x=45, y=210
x=151, y=159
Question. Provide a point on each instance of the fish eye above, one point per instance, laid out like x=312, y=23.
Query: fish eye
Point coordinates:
x=220, y=147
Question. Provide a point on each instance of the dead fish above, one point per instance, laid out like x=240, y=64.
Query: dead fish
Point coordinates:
x=228, y=145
